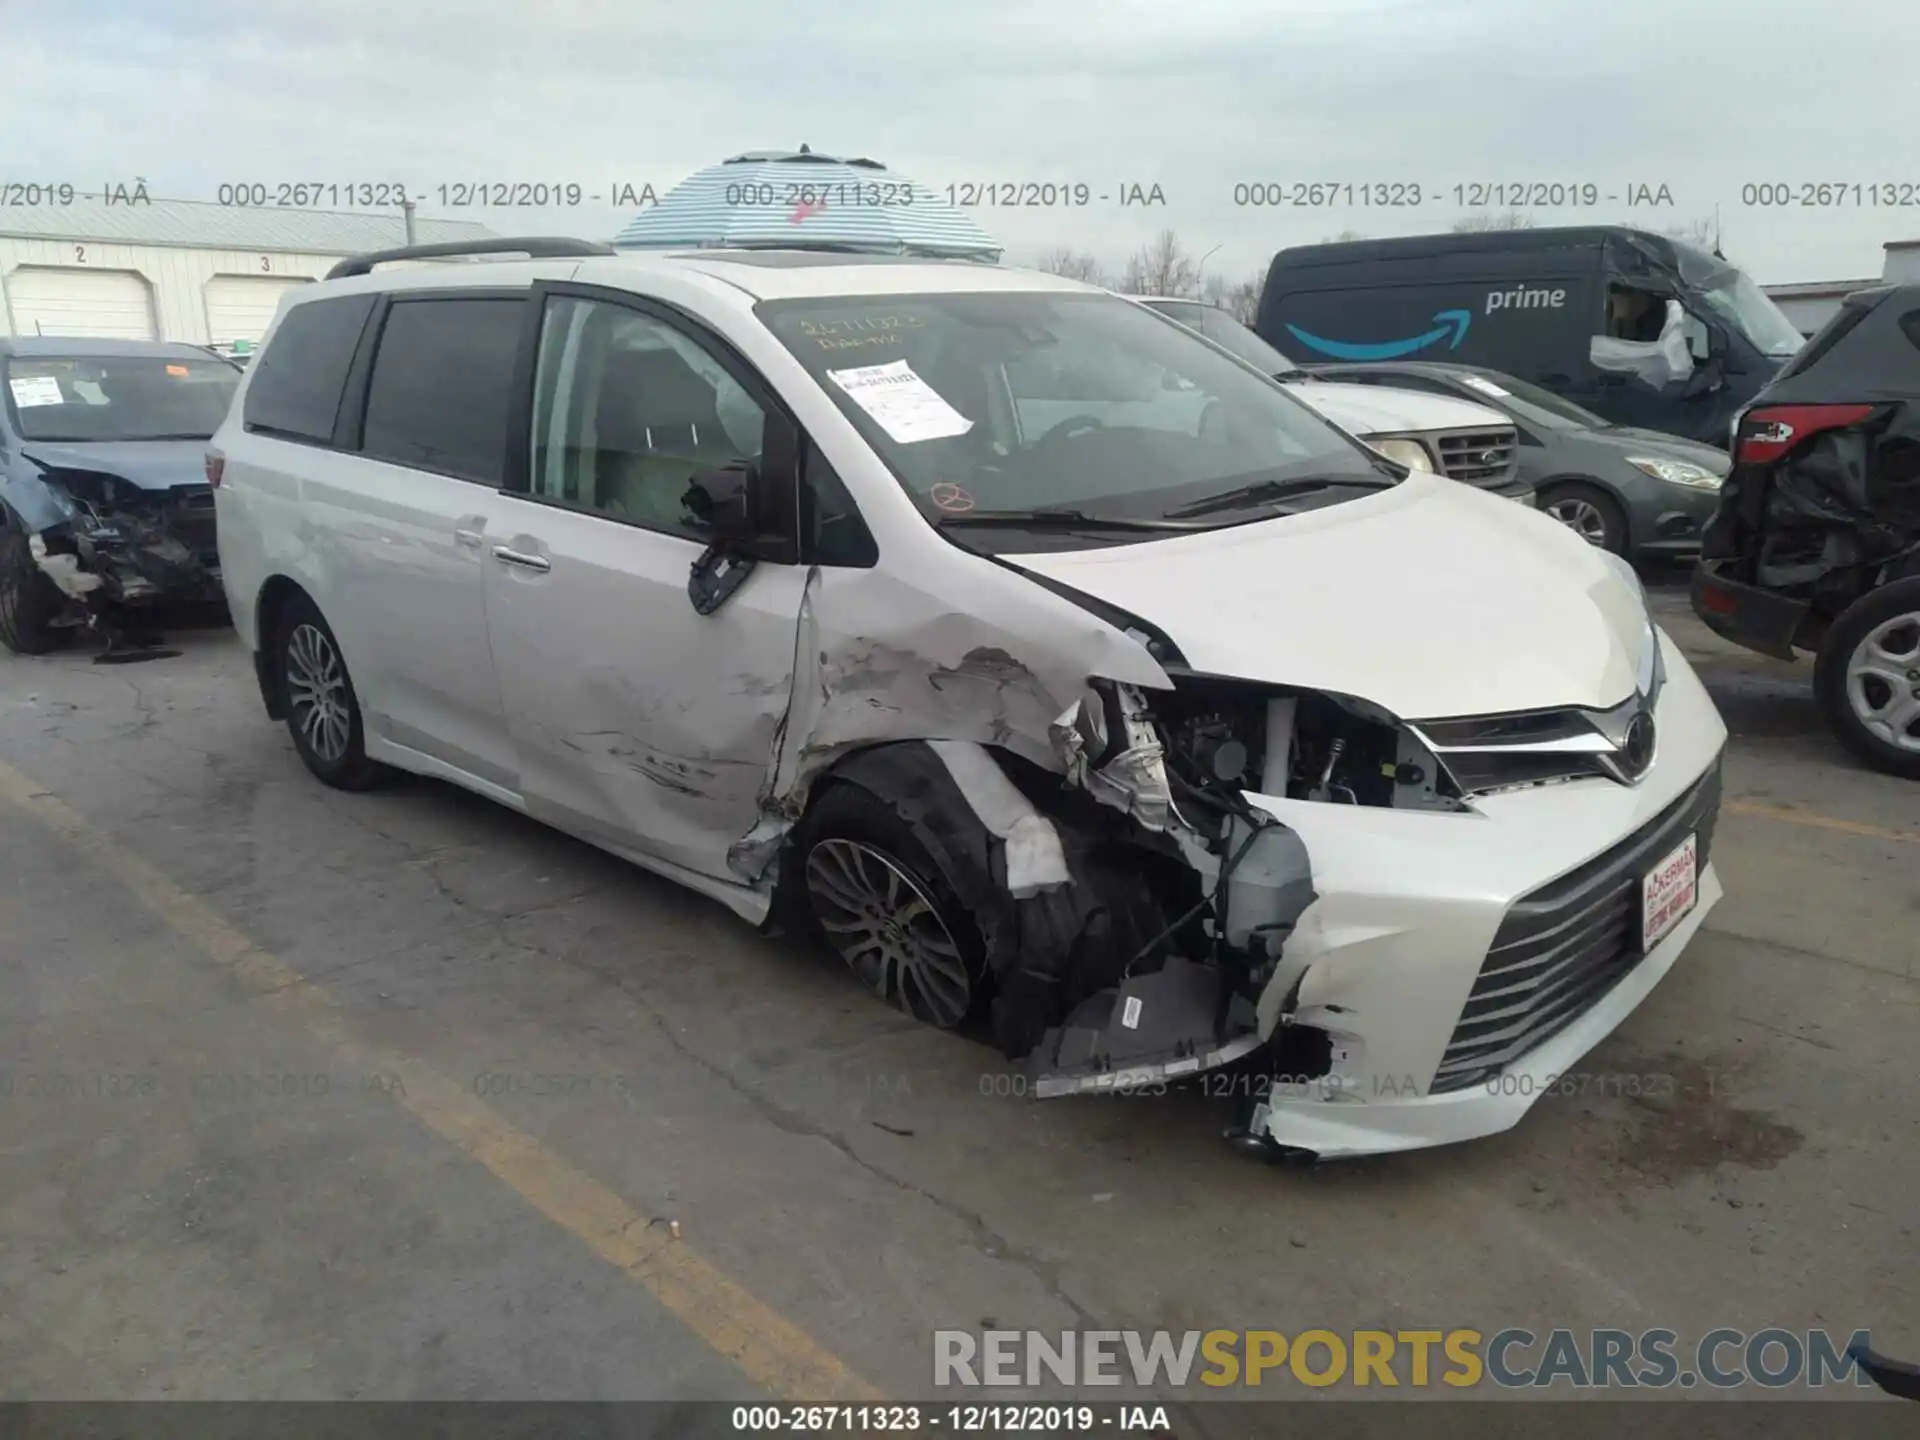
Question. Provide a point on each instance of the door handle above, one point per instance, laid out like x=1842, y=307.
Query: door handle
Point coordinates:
x=509, y=556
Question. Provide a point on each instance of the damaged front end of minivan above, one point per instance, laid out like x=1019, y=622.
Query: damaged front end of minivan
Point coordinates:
x=1130, y=898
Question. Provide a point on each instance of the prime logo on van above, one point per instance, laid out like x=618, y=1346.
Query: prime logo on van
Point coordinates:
x=1525, y=297
x=1454, y=322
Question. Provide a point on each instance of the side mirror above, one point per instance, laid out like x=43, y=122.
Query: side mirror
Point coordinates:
x=728, y=502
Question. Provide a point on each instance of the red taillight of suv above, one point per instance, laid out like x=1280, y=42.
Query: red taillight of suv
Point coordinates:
x=216, y=468
x=1770, y=431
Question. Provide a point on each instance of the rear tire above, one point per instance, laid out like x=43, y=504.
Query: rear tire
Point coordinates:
x=1867, y=678
x=323, y=713
x=1588, y=511
x=29, y=600
x=879, y=899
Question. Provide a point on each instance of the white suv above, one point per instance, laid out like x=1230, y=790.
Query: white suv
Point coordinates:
x=877, y=596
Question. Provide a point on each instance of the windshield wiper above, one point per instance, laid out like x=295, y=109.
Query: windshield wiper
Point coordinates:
x=1052, y=519
x=1261, y=491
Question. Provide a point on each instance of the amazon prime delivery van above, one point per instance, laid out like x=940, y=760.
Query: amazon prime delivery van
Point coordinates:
x=1645, y=330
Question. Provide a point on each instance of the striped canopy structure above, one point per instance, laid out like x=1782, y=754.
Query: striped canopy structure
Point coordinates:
x=779, y=200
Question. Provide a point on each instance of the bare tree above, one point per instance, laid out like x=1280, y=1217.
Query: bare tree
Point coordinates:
x=1485, y=220
x=1074, y=265
x=1242, y=299
x=1161, y=267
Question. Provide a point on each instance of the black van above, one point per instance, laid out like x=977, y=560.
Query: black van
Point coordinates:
x=1582, y=311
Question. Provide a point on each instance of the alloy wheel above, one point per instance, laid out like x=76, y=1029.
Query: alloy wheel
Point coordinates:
x=889, y=931
x=1883, y=681
x=1582, y=517
x=317, y=693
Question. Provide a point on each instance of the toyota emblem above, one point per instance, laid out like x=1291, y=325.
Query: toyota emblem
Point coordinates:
x=1637, y=751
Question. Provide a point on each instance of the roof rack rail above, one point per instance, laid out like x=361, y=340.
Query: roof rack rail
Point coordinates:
x=535, y=247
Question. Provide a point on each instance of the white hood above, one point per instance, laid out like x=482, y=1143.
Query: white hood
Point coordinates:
x=1430, y=599
x=1383, y=410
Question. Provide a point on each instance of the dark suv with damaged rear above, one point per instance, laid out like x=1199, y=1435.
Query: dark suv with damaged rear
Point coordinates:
x=1816, y=544
x=105, y=510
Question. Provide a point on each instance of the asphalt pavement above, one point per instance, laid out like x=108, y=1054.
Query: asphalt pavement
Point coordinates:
x=400, y=1095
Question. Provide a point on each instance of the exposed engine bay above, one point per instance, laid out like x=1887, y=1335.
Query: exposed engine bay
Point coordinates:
x=1149, y=963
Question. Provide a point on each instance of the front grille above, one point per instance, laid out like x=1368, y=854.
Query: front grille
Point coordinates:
x=1565, y=945
x=1479, y=457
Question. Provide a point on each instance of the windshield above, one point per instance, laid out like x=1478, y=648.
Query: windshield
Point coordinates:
x=1533, y=405
x=1228, y=333
x=1027, y=400
x=1734, y=297
x=118, y=397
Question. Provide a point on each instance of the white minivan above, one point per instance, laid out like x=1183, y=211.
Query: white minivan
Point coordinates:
x=874, y=596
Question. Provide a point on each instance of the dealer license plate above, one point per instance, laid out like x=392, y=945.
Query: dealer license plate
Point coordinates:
x=1669, y=892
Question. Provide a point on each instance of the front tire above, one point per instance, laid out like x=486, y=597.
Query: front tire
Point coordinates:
x=1867, y=678
x=880, y=900
x=29, y=600
x=323, y=713
x=1588, y=511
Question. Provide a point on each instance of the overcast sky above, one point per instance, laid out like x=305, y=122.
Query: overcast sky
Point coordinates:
x=1704, y=97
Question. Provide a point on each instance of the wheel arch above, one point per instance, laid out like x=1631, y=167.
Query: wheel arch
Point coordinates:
x=1605, y=487
x=268, y=608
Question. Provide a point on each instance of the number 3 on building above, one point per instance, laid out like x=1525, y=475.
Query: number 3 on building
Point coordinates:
x=266, y=264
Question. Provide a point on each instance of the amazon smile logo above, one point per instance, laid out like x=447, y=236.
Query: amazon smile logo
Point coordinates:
x=1454, y=322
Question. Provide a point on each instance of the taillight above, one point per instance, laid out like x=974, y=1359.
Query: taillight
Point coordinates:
x=1770, y=431
x=216, y=467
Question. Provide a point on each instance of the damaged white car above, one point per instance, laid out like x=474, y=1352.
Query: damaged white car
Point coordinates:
x=879, y=595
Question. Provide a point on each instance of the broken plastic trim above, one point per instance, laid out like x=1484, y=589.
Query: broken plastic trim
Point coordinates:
x=1148, y=1029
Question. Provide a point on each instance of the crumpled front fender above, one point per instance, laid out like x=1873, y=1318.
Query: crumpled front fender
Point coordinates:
x=40, y=503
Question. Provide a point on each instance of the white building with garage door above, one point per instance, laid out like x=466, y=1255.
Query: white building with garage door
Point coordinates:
x=178, y=269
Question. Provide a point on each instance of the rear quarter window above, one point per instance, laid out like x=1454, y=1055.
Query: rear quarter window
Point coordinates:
x=1910, y=327
x=1832, y=333
x=300, y=377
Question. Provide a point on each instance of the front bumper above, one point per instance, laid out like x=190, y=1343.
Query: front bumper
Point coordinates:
x=1513, y=489
x=1671, y=529
x=1410, y=904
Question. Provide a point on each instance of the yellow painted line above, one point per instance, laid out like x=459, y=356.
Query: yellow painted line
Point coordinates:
x=770, y=1350
x=1819, y=822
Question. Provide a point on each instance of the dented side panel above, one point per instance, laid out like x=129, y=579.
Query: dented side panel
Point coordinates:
x=635, y=720
x=879, y=657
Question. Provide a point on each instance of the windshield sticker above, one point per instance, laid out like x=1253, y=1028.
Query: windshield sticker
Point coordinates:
x=950, y=497
x=858, y=325
x=901, y=403
x=36, y=390
x=178, y=370
x=857, y=342
x=1485, y=387
x=860, y=332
